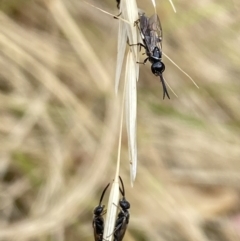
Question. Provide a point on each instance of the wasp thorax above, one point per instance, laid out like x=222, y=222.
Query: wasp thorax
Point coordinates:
x=157, y=53
x=158, y=68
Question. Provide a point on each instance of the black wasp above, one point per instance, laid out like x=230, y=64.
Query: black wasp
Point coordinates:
x=151, y=34
x=98, y=222
x=123, y=216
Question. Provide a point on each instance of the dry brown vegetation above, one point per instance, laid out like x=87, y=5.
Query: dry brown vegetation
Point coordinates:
x=59, y=123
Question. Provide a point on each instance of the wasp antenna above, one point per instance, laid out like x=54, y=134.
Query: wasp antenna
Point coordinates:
x=164, y=87
x=105, y=189
x=122, y=191
x=118, y=4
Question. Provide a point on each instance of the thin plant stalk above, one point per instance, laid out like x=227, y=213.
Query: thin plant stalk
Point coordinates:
x=114, y=194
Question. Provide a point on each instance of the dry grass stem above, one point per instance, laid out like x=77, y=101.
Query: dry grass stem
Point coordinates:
x=79, y=43
x=130, y=12
x=122, y=42
x=170, y=88
x=173, y=7
x=154, y=4
x=117, y=17
x=181, y=70
x=131, y=112
x=111, y=211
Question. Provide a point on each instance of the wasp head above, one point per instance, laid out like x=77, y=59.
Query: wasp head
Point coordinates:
x=98, y=210
x=124, y=204
x=158, y=68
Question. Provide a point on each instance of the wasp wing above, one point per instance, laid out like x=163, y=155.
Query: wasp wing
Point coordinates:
x=97, y=237
x=154, y=31
x=144, y=24
x=120, y=233
x=98, y=226
x=121, y=226
x=145, y=32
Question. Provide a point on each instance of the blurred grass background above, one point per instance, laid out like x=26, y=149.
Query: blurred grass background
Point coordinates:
x=59, y=122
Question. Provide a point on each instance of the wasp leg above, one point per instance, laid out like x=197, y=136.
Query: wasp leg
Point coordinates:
x=116, y=17
x=119, y=223
x=136, y=22
x=144, y=62
x=138, y=44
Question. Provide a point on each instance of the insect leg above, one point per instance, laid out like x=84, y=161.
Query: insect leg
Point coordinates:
x=116, y=17
x=119, y=223
x=138, y=44
x=144, y=62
